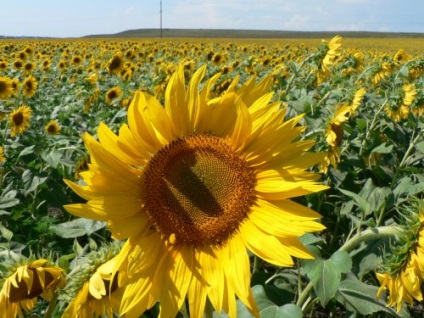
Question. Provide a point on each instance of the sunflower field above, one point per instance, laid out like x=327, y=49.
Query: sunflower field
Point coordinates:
x=209, y=178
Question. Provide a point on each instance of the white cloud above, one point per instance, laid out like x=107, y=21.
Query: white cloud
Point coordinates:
x=296, y=22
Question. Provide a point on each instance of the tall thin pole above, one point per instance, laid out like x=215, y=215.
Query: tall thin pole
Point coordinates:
x=160, y=18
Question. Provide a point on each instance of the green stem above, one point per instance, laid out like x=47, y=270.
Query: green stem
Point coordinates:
x=411, y=146
x=52, y=305
x=371, y=128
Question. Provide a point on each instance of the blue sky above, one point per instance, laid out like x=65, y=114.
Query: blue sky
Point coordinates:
x=83, y=17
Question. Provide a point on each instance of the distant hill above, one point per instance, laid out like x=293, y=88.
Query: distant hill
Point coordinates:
x=221, y=33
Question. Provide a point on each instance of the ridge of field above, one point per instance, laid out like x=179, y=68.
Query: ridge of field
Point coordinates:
x=269, y=34
x=387, y=42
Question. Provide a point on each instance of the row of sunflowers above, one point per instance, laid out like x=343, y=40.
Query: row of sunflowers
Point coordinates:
x=197, y=177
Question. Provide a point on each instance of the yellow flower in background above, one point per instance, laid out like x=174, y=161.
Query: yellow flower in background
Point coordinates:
x=381, y=71
x=400, y=57
x=404, y=268
x=195, y=184
x=116, y=63
x=409, y=94
x=334, y=131
x=92, y=79
x=6, y=89
x=2, y=156
x=52, y=127
x=399, y=112
x=99, y=295
x=29, y=86
x=19, y=120
x=20, y=289
x=113, y=94
x=357, y=99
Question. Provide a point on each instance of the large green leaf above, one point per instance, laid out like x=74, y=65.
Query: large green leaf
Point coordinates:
x=77, y=227
x=359, y=297
x=325, y=275
x=266, y=307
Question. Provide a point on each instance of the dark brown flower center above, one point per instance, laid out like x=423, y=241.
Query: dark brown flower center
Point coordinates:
x=21, y=292
x=18, y=119
x=198, y=190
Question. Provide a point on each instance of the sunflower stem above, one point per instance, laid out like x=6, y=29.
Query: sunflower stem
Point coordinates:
x=52, y=305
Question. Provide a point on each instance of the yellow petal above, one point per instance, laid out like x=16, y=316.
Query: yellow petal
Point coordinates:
x=265, y=246
x=175, y=103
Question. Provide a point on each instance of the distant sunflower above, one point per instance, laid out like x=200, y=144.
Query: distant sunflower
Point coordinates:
x=92, y=79
x=15, y=86
x=3, y=65
x=19, y=120
x=334, y=132
x=29, y=86
x=2, y=156
x=115, y=64
x=52, y=127
x=113, y=94
x=193, y=185
x=6, y=89
x=18, y=64
x=29, y=67
x=21, y=287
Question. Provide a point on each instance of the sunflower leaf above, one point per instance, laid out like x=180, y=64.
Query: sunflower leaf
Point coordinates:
x=359, y=297
x=325, y=275
x=76, y=228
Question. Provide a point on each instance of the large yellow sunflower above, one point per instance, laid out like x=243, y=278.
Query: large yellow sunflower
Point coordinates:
x=19, y=120
x=195, y=184
x=20, y=289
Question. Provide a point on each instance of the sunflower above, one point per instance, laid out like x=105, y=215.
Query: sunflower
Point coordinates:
x=52, y=127
x=18, y=64
x=92, y=79
x=404, y=267
x=195, y=184
x=6, y=89
x=21, y=287
x=113, y=94
x=334, y=132
x=2, y=156
x=92, y=290
x=19, y=120
x=3, y=65
x=115, y=64
x=29, y=67
x=29, y=86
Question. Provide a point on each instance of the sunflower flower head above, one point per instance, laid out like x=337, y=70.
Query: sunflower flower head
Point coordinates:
x=19, y=120
x=403, y=269
x=29, y=86
x=334, y=132
x=203, y=179
x=116, y=63
x=52, y=127
x=6, y=88
x=114, y=94
x=22, y=283
x=91, y=290
x=2, y=156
